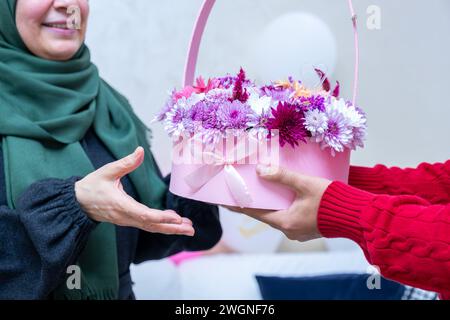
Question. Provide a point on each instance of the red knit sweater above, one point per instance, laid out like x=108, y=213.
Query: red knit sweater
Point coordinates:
x=399, y=217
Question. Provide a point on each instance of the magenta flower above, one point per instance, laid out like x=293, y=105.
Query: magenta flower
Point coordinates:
x=289, y=123
x=239, y=92
x=226, y=82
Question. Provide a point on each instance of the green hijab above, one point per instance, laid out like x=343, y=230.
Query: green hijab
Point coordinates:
x=46, y=108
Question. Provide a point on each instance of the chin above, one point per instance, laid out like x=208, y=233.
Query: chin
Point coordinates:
x=62, y=52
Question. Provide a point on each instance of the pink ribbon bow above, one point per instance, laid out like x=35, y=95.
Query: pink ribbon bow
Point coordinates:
x=216, y=163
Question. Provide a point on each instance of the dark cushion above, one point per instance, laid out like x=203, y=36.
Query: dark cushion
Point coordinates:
x=328, y=287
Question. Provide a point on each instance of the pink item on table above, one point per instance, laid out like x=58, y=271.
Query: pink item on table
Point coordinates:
x=185, y=256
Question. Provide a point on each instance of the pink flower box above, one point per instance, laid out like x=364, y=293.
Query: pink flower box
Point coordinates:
x=307, y=158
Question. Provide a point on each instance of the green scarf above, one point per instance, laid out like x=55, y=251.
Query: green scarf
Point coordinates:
x=46, y=108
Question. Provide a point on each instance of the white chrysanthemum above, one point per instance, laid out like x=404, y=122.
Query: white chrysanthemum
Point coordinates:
x=346, y=127
x=339, y=133
x=175, y=122
x=352, y=116
x=258, y=104
x=316, y=122
x=187, y=103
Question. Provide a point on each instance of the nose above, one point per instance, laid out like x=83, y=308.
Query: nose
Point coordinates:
x=64, y=4
x=71, y=10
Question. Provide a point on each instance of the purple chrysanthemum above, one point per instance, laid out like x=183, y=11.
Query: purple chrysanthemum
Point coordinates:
x=177, y=121
x=162, y=115
x=197, y=112
x=359, y=136
x=276, y=93
x=289, y=123
x=233, y=115
x=218, y=96
x=168, y=106
x=315, y=102
x=338, y=134
x=211, y=122
x=203, y=115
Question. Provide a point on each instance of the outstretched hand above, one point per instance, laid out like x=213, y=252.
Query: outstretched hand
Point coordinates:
x=102, y=197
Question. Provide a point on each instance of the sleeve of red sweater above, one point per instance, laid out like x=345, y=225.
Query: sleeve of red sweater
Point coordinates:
x=406, y=236
x=427, y=181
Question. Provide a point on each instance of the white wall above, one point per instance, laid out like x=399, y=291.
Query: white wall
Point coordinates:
x=140, y=47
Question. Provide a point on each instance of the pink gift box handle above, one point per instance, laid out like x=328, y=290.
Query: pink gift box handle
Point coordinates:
x=199, y=28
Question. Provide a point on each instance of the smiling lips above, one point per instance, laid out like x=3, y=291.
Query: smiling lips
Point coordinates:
x=61, y=28
x=57, y=25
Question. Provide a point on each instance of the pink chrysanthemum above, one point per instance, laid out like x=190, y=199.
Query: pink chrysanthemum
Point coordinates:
x=289, y=123
x=186, y=92
x=233, y=115
x=202, y=87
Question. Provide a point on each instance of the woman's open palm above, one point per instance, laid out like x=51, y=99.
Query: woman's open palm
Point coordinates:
x=102, y=196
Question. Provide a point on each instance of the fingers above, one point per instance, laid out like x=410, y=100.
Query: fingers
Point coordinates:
x=167, y=222
x=187, y=221
x=158, y=221
x=125, y=165
x=185, y=229
x=281, y=175
x=148, y=215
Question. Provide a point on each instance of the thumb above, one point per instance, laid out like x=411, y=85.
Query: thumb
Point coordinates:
x=124, y=166
x=281, y=175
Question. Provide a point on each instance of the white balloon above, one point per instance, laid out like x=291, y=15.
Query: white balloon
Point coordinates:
x=293, y=45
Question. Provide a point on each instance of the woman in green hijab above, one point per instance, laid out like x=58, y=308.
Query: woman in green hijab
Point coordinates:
x=72, y=216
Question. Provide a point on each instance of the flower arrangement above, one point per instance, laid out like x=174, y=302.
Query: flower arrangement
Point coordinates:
x=298, y=114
